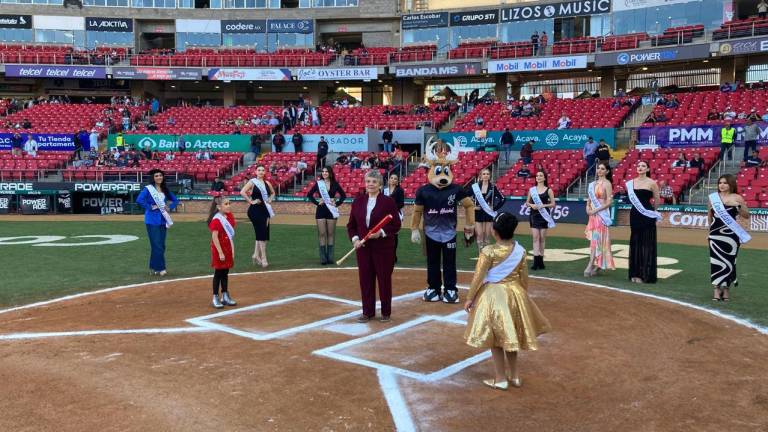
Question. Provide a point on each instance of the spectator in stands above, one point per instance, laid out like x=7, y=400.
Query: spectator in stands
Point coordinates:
x=274, y=123
x=101, y=161
x=524, y=172
x=365, y=165
x=126, y=120
x=171, y=121
x=590, y=154
x=133, y=159
x=387, y=138
x=93, y=140
x=527, y=109
x=726, y=87
x=564, y=122
x=316, y=120
x=754, y=160
x=526, y=153
x=322, y=152
x=278, y=141
x=616, y=103
x=603, y=153
x=217, y=185
x=78, y=155
x=182, y=145
x=30, y=146
x=765, y=117
x=727, y=134
x=26, y=124
x=751, y=133
x=147, y=152
x=286, y=123
x=666, y=193
x=151, y=126
x=507, y=141
x=155, y=106
x=479, y=121
x=713, y=115
x=170, y=156
x=681, y=161
x=762, y=9
x=535, y=42
x=672, y=102
x=543, y=41
x=340, y=123
x=202, y=154
x=620, y=93
x=120, y=162
x=654, y=117
x=629, y=101
x=754, y=116
x=697, y=162
x=298, y=142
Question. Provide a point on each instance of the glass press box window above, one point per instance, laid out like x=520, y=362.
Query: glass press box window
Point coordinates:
x=16, y=35
x=277, y=41
x=97, y=39
x=521, y=31
x=439, y=36
x=76, y=38
x=255, y=41
x=160, y=4
x=191, y=40
x=107, y=3
x=655, y=20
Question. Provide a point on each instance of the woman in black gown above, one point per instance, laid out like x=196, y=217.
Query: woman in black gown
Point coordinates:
x=642, y=241
x=494, y=199
x=723, y=241
x=259, y=212
x=393, y=190
x=539, y=225
x=325, y=219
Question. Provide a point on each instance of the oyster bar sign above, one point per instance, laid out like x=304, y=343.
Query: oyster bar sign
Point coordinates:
x=328, y=74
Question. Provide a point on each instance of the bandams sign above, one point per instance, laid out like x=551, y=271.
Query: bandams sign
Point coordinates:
x=109, y=24
x=243, y=26
x=16, y=21
x=556, y=10
x=475, y=18
x=440, y=69
x=650, y=56
x=239, y=74
x=693, y=136
x=334, y=74
x=35, y=71
x=744, y=46
x=156, y=73
x=424, y=20
x=534, y=65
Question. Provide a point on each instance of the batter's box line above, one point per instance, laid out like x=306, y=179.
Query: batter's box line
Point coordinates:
x=332, y=351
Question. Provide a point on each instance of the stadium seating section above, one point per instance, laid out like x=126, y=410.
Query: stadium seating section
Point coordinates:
x=465, y=170
x=234, y=57
x=623, y=42
x=678, y=35
x=350, y=179
x=563, y=167
x=587, y=44
x=281, y=179
x=741, y=28
x=58, y=54
x=753, y=183
x=695, y=106
x=26, y=167
x=67, y=118
x=660, y=162
x=584, y=113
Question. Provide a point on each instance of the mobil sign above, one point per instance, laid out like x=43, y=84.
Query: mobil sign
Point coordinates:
x=534, y=65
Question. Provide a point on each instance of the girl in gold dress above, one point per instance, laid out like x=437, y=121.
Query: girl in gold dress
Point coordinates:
x=501, y=315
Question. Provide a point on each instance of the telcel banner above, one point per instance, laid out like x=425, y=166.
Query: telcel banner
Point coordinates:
x=244, y=74
x=45, y=142
x=336, y=143
x=217, y=143
x=693, y=136
x=573, y=212
x=553, y=139
x=36, y=71
x=537, y=64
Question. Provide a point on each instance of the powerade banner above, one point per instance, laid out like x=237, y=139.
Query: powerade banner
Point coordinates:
x=240, y=74
x=556, y=10
x=109, y=24
x=29, y=186
x=5, y=203
x=693, y=136
x=336, y=74
x=435, y=70
x=34, y=204
x=290, y=26
x=336, y=143
x=746, y=46
x=573, y=212
x=243, y=26
x=45, y=142
x=64, y=202
x=553, y=139
x=156, y=73
x=100, y=204
x=535, y=65
x=650, y=56
x=474, y=18
x=36, y=71
x=16, y=21
x=424, y=20
x=217, y=143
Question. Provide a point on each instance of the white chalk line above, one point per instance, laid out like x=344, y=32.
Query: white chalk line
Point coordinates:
x=41, y=335
x=398, y=407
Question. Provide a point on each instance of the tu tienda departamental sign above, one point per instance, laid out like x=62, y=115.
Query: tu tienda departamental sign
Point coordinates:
x=537, y=64
x=216, y=143
x=551, y=139
x=45, y=142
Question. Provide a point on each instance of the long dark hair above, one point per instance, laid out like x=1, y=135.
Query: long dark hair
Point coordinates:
x=505, y=224
x=331, y=175
x=163, y=185
x=647, y=173
x=546, y=177
x=217, y=200
x=609, y=172
x=731, y=180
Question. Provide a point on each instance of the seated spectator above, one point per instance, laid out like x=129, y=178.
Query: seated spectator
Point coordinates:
x=171, y=121
x=666, y=193
x=524, y=172
x=754, y=160
x=26, y=124
x=697, y=162
x=681, y=161
x=479, y=121
x=527, y=110
x=564, y=122
x=366, y=165
x=616, y=103
x=630, y=101
x=713, y=115
x=654, y=117
x=203, y=154
x=301, y=165
x=729, y=114
x=672, y=102
x=134, y=159
x=725, y=88
x=662, y=100
x=753, y=115
x=620, y=93
x=147, y=152
x=151, y=126
x=342, y=159
x=121, y=162
x=170, y=156
x=340, y=123
x=526, y=152
x=217, y=185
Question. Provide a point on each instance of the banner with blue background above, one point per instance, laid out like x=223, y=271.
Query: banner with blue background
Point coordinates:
x=45, y=142
x=694, y=135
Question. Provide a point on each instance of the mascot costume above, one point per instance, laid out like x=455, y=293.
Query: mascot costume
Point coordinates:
x=438, y=202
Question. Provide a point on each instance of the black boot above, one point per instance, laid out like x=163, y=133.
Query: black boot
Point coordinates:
x=535, y=265
x=323, y=259
x=541, y=262
x=329, y=255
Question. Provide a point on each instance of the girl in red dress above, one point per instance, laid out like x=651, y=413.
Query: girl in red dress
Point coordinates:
x=221, y=222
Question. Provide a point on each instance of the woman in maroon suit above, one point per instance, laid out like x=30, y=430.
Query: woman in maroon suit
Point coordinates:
x=376, y=256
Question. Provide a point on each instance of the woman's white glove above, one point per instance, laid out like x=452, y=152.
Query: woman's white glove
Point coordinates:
x=415, y=236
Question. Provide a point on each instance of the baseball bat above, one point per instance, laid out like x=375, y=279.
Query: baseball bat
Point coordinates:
x=373, y=230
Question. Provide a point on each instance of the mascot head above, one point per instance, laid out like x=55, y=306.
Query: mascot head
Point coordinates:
x=440, y=155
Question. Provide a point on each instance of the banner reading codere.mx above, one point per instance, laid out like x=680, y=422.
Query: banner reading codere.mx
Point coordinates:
x=219, y=143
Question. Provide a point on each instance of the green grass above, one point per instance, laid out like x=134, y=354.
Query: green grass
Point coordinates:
x=33, y=273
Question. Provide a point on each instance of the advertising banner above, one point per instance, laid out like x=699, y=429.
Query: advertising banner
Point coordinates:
x=695, y=217
x=693, y=136
x=336, y=143
x=572, y=212
x=338, y=74
x=424, y=20
x=5, y=203
x=651, y=56
x=473, y=18
x=29, y=186
x=45, y=142
x=556, y=10
x=536, y=65
x=435, y=70
x=744, y=46
x=91, y=203
x=64, y=202
x=245, y=74
x=625, y=5
x=36, y=71
x=16, y=21
x=217, y=143
x=553, y=139
x=35, y=204
x=304, y=26
x=124, y=25
x=156, y=73
x=243, y=26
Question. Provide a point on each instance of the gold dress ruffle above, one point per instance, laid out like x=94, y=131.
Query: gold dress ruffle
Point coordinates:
x=503, y=315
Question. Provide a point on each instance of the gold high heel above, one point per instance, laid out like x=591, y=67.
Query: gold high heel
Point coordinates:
x=498, y=386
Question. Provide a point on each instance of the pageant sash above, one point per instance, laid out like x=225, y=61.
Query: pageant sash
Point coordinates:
x=228, y=228
x=653, y=214
x=327, y=198
x=388, y=193
x=719, y=208
x=264, y=194
x=542, y=210
x=160, y=203
x=501, y=270
x=481, y=199
x=605, y=214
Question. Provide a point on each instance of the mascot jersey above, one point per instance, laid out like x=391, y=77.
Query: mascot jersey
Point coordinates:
x=440, y=210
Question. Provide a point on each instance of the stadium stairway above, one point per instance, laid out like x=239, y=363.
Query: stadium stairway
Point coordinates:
x=699, y=193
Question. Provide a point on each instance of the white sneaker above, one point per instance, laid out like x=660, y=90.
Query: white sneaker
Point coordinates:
x=217, y=303
x=451, y=296
x=227, y=300
x=431, y=295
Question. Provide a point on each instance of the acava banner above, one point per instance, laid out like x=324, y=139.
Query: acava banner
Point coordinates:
x=336, y=143
x=693, y=136
x=45, y=142
x=218, y=143
x=552, y=139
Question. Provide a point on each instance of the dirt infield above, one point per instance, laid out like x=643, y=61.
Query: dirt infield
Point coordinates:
x=290, y=357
